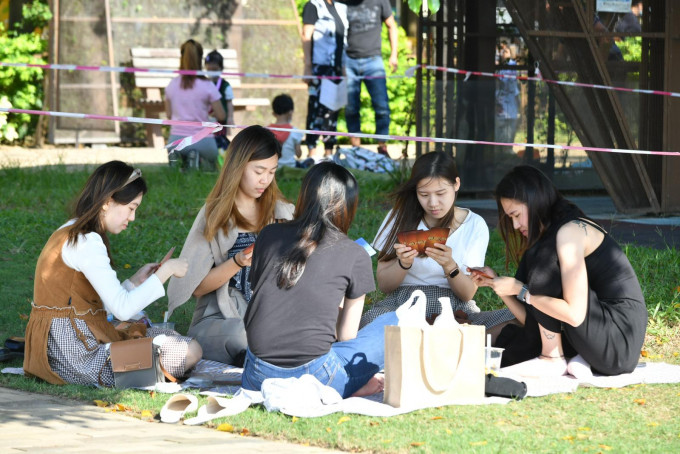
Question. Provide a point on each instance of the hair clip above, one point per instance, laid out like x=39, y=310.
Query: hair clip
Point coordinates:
x=137, y=173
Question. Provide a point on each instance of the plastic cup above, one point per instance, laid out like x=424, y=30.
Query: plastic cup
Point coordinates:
x=164, y=325
x=492, y=359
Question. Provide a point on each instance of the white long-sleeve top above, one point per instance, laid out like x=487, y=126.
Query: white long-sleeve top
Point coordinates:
x=123, y=300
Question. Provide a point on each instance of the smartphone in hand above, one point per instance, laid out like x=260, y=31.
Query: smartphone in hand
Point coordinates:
x=167, y=257
x=478, y=272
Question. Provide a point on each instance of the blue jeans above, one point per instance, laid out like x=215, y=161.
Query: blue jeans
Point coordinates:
x=377, y=88
x=346, y=367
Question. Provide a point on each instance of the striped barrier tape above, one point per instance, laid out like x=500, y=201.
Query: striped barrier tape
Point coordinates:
x=211, y=127
x=410, y=72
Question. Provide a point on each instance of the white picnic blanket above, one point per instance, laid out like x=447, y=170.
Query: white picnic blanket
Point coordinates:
x=306, y=397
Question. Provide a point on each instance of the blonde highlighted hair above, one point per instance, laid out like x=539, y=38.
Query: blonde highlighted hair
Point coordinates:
x=254, y=143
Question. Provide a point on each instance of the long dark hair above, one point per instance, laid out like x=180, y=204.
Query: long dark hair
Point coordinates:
x=407, y=212
x=113, y=180
x=327, y=202
x=545, y=204
x=254, y=143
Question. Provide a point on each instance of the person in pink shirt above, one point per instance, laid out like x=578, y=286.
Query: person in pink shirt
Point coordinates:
x=190, y=98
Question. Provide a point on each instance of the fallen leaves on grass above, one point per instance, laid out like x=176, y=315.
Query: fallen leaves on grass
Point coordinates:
x=225, y=427
x=644, y=353
x=478, y=443
x=127, y=266
x=245, y=432
x=343, y=419
x=605, y=447
x=100, y=403
x=294, y=418
x=146, y=414
x=640, y=401
x=417, y=443
x=23, y=316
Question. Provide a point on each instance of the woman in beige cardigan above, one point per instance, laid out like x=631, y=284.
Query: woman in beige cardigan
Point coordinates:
x=245, y=198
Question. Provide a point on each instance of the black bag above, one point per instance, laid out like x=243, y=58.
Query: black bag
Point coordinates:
x=504, y=387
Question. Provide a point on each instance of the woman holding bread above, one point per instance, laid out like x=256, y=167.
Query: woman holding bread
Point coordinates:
x=427, y=201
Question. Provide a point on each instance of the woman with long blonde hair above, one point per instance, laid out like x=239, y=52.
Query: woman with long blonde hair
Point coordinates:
x=245, y=199
x=192, y=98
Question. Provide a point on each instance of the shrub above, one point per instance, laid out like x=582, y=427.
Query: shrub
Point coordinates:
x=23, y=86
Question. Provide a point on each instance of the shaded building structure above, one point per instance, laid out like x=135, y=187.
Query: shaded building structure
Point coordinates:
x=565, y=40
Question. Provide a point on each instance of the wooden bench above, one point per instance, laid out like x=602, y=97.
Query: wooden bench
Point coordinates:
x=152, y=84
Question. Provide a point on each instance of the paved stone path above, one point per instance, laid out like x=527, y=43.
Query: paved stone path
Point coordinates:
x=36, y=423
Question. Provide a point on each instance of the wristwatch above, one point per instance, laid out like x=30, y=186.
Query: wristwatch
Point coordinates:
x=522, y=295
x=454, y=273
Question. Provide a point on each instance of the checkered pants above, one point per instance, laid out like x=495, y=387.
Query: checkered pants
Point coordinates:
x=433, y=293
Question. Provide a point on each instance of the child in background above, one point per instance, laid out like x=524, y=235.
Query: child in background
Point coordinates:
x=290, y=140
x=215, y=62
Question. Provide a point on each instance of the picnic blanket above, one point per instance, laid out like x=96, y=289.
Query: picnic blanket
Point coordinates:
x=306, y=397
x=362, y=159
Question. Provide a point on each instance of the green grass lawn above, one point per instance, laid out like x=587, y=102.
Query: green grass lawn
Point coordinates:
x=640, y=418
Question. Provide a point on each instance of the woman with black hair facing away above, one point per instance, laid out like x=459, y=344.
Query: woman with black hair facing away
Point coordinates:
x=68, y=335
x=425, y=201
x=245, y=198
x=574, y=286
x=192, y=98
x=309, y=282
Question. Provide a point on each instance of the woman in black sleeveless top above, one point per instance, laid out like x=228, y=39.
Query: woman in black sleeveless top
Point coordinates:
x=575, y=290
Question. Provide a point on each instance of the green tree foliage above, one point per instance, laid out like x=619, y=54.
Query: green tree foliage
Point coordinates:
x=22, y=87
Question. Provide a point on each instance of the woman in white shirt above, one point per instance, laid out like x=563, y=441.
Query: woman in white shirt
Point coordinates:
x=68, y=335
x=425, y=201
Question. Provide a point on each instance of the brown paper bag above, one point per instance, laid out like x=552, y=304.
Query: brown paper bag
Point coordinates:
x=433, y=366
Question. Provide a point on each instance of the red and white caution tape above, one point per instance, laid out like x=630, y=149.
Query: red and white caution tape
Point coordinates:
x=467, y=74
x=210, y=127
x=410, y=72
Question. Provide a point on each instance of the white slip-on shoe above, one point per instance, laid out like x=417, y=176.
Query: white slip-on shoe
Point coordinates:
x=219, y=407
x=177, y=406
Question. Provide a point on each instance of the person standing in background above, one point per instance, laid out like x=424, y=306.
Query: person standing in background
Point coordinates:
x=364, y=59
x=324, y=41
x=630, y=22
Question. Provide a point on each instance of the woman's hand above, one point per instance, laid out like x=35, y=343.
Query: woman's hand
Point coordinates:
x=173, y=267
x=502, y=285
x=244, y=259
x=143, y=274
x=405, y=254
x=482, y=277
x=441, y=254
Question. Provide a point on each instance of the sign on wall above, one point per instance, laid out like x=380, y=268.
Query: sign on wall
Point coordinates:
x=613, y=6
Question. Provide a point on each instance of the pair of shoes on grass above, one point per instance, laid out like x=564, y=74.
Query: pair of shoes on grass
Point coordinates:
x=14, y=348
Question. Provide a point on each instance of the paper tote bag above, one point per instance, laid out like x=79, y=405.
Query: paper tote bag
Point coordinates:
x=432, y=366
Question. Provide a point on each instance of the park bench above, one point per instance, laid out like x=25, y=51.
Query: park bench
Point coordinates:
x=152, y=84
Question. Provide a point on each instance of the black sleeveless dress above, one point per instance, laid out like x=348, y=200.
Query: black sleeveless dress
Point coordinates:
x=611, y=336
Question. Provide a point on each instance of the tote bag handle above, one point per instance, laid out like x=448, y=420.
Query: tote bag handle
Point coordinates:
x=442, y=350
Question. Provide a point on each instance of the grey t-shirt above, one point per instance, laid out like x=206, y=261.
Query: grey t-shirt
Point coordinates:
x=365, y=27
x=290, y=327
